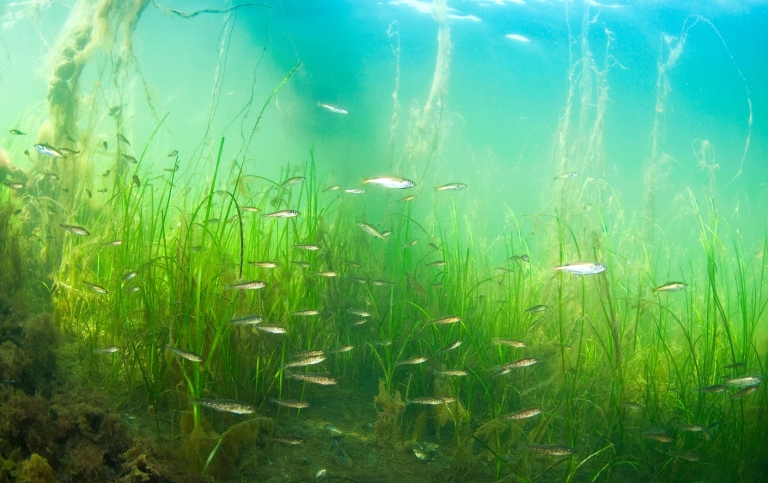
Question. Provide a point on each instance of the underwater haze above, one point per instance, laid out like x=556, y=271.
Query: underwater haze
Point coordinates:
x=383, y=241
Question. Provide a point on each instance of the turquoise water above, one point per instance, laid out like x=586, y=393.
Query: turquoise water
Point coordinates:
x=658, y=110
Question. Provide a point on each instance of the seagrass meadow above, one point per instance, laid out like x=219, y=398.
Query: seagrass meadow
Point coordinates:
x=406, y=241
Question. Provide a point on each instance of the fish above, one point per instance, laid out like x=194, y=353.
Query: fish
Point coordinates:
x=345, y=348
x=507, y=368
x=359, y=280
x=122, y=138
x=743, y=392
x=354, y=191
x=250, y=285
x=110, y=349
x=173, y=153
x=450, y=373
x=172, y=170
x=247, y=320
x=407, y=198
x=392, y=182
x=251, y=209
x=451, y=319
x=132, y=289
x=294, y=180
x=307, y=361
x=88, y=192
x=185, y=354
x=129, y=276
x=26, y=152
x=715, y=388
x=523, y=414
x=105, y=145
x=430, y=401
x=326, y=274
x=52, y=176
x=113, y=243
x=735, y=366
x=114, y=111
x=272, y=329
x=358, y=323
x=136, y=181
x=291, y=441
x=437, y=263
x=308, y=247
x=77, y=230
x=411, y=243
x=330, y=428
x=301, y=264
x=282, y=214
x=382, y=283
x=518, y=344
x=745, y=381
x=306, y=313
x=551, y=449
x=412, y=361
x=265, y=264
x=227, y=405
x=670, y=287
x=129, y=158
x=106, y=173
x=370, y=230
x=334, y=109
x=630, y=406
x=290, y=403
x=359, y=312
x=582, y=268
x=102, y=190
x=522, y=258
x=17, y=132
x=47, y=150
x=308, y=353
x=67, y=151
x=451, y=346
x=537, y=309
x=451, y=187
x=383, y=343
x=570, y=175
x=692, y=457
x=13, y=185
x=691, y=428
x=658, y=436
x=320, y=379
x=335, y=187
x=96, y=288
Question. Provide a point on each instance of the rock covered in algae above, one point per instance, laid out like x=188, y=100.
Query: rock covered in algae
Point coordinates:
x=36, y=470
x=390, y=409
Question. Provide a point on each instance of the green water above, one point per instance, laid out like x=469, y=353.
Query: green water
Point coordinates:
x=516, y=326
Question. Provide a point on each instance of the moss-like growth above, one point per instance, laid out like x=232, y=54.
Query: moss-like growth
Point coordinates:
x=40, y=340
x=390, y=409
x=36, y=470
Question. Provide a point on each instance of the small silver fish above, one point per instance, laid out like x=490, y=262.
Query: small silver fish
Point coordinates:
x=354, y=191
x=743, y=392
x=670, y=287
x=113, y=243
x=227, y=405
x=570, y=175
x=716, y=388
x=250, y=209
x=430, y=401
x=282, y=214
x=451, y=346
x=335, y=187
x=247, y=320
x=523, y=414
x=96, y=288
x=359, y=312
x=412, y=361
x=132, y=289
x=301, y=264
x=451, y=319
x=308, y=247
x=345, y=348
x=265, y=264
x=173, y=153
x=47, y=150
x=251, y=285
x=392, y=182
x=290, y=403
x=582, y=268
x=437, y=263
x=290, y=441
x=450, y=373
x=129, y=276
x=111, y=349
x=382, y=283
x=745, y=381
x=334, y=109
x=272, y=329
x=185, y=354
x=122, y=138
x=77, y=230
x=451, y=187
x=16, y=132
x=551, y=449
x=518, y=344
x=129, y=158
x=370, y=230
x=326, y=274
x=320, y=379
x=293, y=181
x=13, y=185
x=407, y=198
x=307, y=361
x=536, y=309
x=306, y=313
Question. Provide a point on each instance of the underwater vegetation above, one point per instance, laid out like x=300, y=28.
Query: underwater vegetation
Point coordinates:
x=292, y=329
